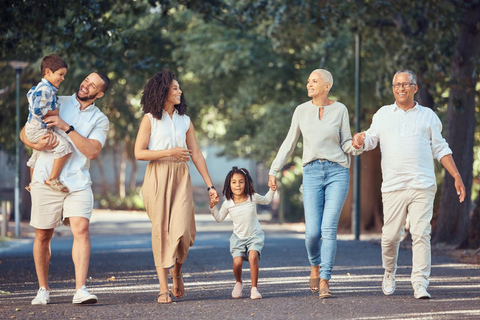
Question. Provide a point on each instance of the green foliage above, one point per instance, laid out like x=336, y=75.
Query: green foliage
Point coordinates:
x=242, y=64
x=133, y=201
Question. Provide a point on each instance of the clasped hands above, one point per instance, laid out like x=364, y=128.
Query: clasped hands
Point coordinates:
x=358, y=140
x=181, y=154
x=214, y=198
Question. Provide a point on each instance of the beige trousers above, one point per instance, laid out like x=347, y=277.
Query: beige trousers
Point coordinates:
x=418, y=204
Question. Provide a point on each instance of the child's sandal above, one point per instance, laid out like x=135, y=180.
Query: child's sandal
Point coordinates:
x=56, y=185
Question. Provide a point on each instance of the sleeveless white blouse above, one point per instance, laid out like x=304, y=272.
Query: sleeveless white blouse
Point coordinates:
x=168, y=133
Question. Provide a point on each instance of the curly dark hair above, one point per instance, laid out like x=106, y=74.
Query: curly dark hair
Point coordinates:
x=155, y=94
x=249, y=188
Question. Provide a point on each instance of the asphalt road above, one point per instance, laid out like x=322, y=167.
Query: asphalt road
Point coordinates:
x=122, y=275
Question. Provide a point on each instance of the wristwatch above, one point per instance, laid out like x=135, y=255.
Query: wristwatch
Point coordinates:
x=212, y=187
x=70, y=130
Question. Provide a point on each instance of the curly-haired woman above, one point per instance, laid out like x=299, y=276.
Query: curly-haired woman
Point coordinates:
x=166, y=138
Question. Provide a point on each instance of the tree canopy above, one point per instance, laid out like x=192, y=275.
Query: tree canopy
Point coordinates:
x=242, y=64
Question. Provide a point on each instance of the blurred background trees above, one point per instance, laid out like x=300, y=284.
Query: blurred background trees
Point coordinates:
x=243, y=67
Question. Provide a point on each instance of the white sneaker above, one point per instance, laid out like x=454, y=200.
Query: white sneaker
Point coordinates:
x=237, y=290
x=42, y=298
x=82, y=296
x=388, y=283
x=254, y=294
x=421, y=292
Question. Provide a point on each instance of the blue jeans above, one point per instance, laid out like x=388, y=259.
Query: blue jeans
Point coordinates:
x=325, y=188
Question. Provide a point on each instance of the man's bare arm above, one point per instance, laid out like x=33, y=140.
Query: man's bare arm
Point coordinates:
x=46, y=142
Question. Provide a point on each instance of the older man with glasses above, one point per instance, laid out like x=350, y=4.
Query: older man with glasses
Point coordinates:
x=410, y=138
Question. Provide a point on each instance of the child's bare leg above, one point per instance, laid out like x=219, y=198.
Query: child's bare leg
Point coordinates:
x=237, y=268
x=31, y=175
x=58, y=165
x=52, y=181
x=253, y=259
x=237, y=271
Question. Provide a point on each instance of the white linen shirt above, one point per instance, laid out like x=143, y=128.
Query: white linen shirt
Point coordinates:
x=168, y=132
x=409, y=141
x=244, y=215
x=90, y=123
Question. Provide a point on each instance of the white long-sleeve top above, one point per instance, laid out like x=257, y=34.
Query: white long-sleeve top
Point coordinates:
x=244, y=215
x=329, y=138
x=409, y=142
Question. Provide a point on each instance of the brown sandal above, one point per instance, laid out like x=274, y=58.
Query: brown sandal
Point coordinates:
x=56, y=185
x=314, y=284
x=167, y=298
x=324, y=289
x=175, y=289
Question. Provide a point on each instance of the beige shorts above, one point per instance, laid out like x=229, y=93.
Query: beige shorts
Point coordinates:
x=51, y=208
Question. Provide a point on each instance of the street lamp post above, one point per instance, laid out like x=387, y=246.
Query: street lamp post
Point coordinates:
x=356, y=163
x=18, y=66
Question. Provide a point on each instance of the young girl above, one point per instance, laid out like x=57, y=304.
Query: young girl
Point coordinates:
x=247, y=240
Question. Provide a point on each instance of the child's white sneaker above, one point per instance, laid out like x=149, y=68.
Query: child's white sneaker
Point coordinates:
x=237, y=290
x=42, y=298
x=254, y=294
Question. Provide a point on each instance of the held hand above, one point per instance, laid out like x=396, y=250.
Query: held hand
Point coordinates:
x=213, y=202
x=272, y=182
x=358, y=140
x=56, y=121
x=47, y=142
x=181, y=154
x=213, y=194
x=460, y=187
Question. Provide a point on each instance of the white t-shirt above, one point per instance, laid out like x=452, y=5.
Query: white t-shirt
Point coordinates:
x=409, y=141
x=329, y=138
x=244, y=215
x=90, y=123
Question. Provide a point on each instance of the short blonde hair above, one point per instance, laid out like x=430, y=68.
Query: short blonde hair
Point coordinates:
x=326, y=76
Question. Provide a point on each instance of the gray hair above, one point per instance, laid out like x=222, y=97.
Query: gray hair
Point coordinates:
x=411, y=74
x=326, y=76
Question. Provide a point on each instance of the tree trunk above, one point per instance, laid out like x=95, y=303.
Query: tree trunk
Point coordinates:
x=133, y=176
x=474, y=227
x=371, y=208
x=423, y=96
x=102, y=174
x=116, y=168
x=122, y=173
x=453, y=217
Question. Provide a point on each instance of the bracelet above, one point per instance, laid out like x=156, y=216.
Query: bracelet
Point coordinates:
x=212, y=187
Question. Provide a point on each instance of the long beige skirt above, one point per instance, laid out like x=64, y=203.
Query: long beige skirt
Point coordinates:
x=168, y=198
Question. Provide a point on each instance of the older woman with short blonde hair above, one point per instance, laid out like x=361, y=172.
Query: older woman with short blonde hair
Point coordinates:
x=324, y=125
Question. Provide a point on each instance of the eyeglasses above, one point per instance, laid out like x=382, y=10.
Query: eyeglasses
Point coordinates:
x=403, y=84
